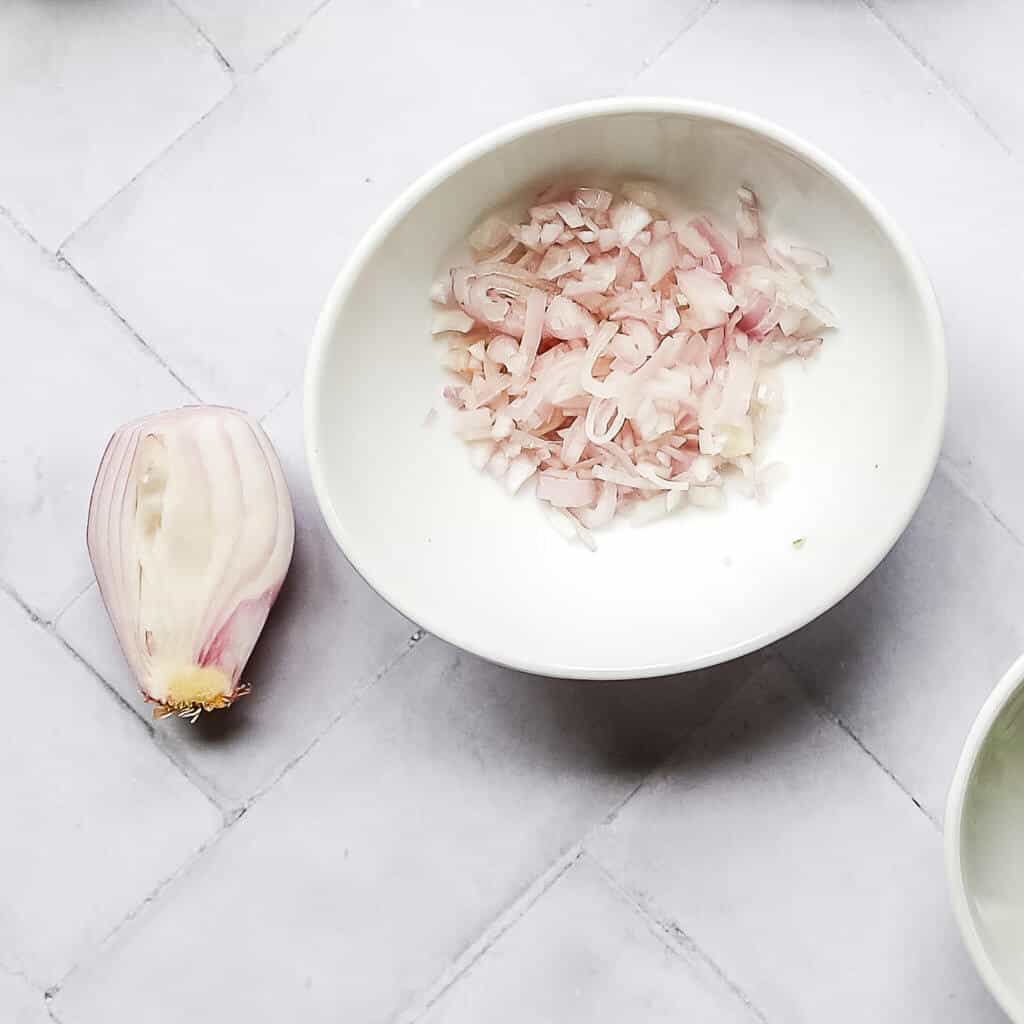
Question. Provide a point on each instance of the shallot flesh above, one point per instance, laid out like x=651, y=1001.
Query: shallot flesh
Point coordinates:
x=617, y=351
x=190, y=535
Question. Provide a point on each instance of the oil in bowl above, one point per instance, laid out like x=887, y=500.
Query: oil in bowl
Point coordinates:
x=992, y=846
x=985, y=842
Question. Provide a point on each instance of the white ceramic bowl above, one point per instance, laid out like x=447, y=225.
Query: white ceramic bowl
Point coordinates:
x=446, y=546
x=985, y=842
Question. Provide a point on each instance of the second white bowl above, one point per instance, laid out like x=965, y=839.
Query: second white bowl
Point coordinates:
x=447, y=546
x=984, y=836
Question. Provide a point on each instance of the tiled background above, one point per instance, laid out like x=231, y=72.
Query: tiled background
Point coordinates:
x=389, y=830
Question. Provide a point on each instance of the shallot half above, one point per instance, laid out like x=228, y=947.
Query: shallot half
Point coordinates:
x=614, y=348
x=190, y=535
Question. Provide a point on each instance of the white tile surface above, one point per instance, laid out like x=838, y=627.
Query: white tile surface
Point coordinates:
x=426, y=811
x=328, y=633
x=242, y=228
x=80, y=374
x=95, y=817
x=975, y=48
x=89, y=94
x=19, y=1002
x=857, y=92
x=799, y=867
x=246, y=33
x=395, y=821
x=583, y=955
x=907, y=660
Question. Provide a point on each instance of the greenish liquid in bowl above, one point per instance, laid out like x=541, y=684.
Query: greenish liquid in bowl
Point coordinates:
x=992, y=845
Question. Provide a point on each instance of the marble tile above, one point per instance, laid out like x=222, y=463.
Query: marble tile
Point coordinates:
x=583, y=954
x=76, y=374
x=90, y=93
x=246, y=33
x=223, y=253
x=793, y=861
x=910, y=656
x=428, y=809
x=400, y=800
x=858, y=94
x=87, y=629
x=19, y=1002
x=975, y=48
x=329, y=633
x=96, y=816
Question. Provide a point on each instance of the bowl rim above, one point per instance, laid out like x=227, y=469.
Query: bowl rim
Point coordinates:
x=1011, y=683
x=423, y=185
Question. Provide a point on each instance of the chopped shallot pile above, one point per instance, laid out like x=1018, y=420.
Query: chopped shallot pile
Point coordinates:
x=616, y=353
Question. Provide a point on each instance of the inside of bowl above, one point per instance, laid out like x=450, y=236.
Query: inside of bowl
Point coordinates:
x=449, y=547
x=992, y=846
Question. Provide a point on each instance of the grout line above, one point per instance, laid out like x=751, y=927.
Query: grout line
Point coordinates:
x=195, y=778
x=65, y=263
x=190, y=772
x=697, y=16
x=21, y=975
x=830, y=716
x=22, y=230
x=7, y=589
x=49, y=626
x=96, y=675
x=50, y=1011
x=949, y=471
x=289, y=37
x=97, y=950
x=515, y=910
x=198, y=29
x=507, y=919
x=350, y=705
x=232, y=812
x=264, y=416
x=937, y=75
x=674, y=938
x=234, y=75
x=186, y=771
x=821, y=706
x=64, y=608
x=231, y=816
x=518, y=907
x=142, y=170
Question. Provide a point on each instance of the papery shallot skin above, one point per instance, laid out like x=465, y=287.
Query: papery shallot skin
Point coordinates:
x=615, y=349
x=190, y=535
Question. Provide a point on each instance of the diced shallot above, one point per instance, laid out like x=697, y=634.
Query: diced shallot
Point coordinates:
x=628, y=219
x=451, y=320
x=566, y=492
x=489, y=234
x=473, y=425
x=615, y=352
